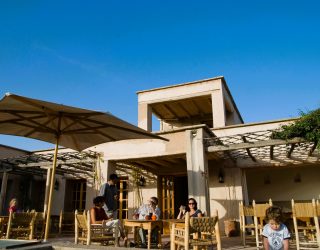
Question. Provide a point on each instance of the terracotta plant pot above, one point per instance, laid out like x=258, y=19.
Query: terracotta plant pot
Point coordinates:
x=230, y=228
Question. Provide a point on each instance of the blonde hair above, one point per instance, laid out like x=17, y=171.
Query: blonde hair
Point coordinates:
x=14, y=200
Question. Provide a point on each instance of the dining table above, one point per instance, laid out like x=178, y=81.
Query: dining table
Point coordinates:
x=148, y=225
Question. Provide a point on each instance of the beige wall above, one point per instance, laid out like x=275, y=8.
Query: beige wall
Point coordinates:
x=282, y=186
x=225, y=196
x=132, y=149
x=58, y=196
x=250, y=127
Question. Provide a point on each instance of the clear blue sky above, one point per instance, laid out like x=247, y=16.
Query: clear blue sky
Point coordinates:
x=97, y=54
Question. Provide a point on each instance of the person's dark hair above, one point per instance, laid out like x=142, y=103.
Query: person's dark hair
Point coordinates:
x=154, y=200
x=274, y=213
x=113, y=177
x=98, y=200
x=195, y=204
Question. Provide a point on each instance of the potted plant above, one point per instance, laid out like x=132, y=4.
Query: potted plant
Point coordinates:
x=230, y=224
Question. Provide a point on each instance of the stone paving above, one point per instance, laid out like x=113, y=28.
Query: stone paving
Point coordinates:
x=67, y=243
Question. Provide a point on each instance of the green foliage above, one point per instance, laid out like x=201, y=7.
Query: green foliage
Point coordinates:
x=307, y=127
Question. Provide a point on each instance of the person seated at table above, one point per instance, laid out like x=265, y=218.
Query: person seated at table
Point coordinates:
x=146, y=212
x=13, y=205
x=182, y=212
x=99, y=216
x=192, y=209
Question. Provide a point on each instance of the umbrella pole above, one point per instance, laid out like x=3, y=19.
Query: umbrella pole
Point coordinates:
x=54, y=165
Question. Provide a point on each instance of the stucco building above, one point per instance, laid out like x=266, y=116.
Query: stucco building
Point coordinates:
x=211, y=155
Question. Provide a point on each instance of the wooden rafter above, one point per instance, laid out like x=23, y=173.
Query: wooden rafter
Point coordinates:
x=293, y=145
x=248, y=150
x=257, y=144
x=170, y=110
x=184, y=109
x=271, y=152
x=312, y=149
x=201, y=113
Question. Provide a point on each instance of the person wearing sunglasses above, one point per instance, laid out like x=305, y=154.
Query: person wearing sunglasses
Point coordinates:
x=192, y=209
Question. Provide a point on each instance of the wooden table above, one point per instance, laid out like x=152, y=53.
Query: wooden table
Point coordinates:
x=167, y=224
x=147, y=225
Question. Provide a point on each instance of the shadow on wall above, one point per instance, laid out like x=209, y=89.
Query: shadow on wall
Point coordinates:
x=228, y=209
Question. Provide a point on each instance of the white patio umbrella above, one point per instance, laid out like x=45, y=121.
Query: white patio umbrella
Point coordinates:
x=68, y=126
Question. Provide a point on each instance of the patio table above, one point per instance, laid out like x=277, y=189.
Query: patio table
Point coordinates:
x=147, y=225
x=167, y=224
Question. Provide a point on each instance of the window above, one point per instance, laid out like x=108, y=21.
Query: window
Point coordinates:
x=167, y=197
x=123, y=198
x=79, y=195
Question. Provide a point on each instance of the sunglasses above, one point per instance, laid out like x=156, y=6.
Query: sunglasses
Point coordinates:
x=192, y=203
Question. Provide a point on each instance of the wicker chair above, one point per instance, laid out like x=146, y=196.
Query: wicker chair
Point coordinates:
x=86, y=232
x=39, y=225
x=196, y=232
x=3, y=226
x=21, y=225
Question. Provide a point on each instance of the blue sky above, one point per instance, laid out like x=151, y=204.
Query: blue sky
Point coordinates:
x=97, y=54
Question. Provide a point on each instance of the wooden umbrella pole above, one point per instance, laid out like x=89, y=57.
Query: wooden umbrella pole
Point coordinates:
x=53, y=172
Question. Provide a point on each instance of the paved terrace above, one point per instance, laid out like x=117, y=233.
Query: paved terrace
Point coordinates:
x=67, y=243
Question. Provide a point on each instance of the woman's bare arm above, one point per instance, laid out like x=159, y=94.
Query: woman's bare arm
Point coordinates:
x=93, y=217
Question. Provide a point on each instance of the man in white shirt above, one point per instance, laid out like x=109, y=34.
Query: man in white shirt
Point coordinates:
x=146, y=212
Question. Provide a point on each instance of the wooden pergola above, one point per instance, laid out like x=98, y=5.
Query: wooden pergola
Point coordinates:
x=259, y=146
x=77, y=165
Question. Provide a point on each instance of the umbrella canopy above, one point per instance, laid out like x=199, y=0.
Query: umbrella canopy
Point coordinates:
x=76, y=128
x=68, y=126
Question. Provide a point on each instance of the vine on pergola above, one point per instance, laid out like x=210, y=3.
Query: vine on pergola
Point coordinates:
x=306, y=127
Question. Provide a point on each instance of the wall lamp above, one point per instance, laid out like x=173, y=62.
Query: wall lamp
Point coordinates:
x=221, y=176
x=141, y=181
x=267, y=180
x=297, y=178
x=56, y=185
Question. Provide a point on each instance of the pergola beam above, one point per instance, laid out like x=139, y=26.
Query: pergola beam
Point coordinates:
x=257, y=144
x=73, y=163
x=248, y=150
x=313, y=148
x=271, y=152
x=291, y=150
x=49, y=163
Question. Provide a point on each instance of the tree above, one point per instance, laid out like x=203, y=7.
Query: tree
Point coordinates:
x=307, y=127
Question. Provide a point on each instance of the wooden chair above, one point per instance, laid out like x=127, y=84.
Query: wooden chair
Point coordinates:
x=246, y=217
x=39, y=225
x=21, y=225
x=66, y=223
x=196, y=232
x=307, y=235
x=87, y=232
x=259, y=213
x=3, y=226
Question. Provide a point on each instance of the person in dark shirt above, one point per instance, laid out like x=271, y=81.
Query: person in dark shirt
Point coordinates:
x=109, y=191
x=193, y=208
